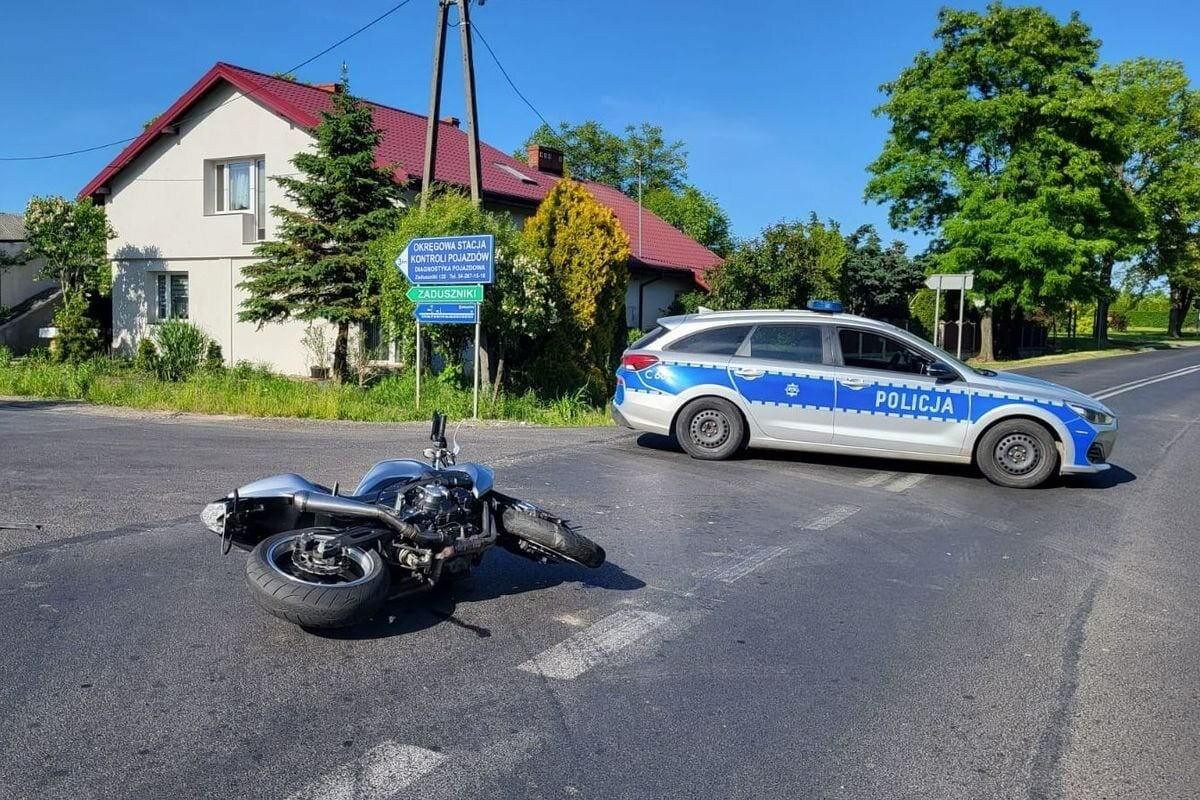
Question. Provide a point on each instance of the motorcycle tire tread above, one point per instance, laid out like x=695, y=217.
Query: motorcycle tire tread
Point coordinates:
x=556, y=537
x=312, y=606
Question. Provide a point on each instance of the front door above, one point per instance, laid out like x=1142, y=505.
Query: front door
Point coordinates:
x=782, y=372
x=885, y=401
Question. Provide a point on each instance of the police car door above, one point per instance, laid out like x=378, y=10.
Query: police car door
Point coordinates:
x=782, y=371
x=885, y=402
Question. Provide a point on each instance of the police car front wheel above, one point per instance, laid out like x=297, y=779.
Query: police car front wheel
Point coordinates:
x=710, y=428
x=1018, y=453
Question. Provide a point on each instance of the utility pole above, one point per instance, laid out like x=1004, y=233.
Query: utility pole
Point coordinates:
x=435, y=99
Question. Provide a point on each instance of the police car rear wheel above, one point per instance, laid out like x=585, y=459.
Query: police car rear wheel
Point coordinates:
x=710, y=428
x=1020, y=454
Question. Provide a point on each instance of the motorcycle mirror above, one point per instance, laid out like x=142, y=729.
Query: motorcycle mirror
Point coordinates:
x=455, y=449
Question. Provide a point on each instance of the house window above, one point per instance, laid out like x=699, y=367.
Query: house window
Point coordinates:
x=172, y=295
x=240, y=187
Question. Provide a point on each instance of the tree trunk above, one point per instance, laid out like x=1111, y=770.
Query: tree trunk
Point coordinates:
x=1181, y=303
x=986, y=350
x=485, y=359
x=341, y=365
x=499, y=377
x=1103, y=301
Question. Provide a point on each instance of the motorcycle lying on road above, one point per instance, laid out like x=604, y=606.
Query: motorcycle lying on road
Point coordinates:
x=322, y=559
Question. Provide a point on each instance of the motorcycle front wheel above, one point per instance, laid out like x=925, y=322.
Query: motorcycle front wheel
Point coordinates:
x=338, y=600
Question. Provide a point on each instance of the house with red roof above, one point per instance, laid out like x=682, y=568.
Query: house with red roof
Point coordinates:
x=189, y=201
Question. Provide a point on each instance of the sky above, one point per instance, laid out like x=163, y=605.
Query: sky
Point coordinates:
x=772, y=99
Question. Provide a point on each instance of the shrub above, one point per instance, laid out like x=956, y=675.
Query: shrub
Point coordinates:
x=214, y=359
x=78, y=339
x=181, y=346
x=1118, y=321
x=147, y=355
x=6, y=357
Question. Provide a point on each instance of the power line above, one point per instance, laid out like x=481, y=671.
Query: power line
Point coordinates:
x=303, y=63
x=504, y=72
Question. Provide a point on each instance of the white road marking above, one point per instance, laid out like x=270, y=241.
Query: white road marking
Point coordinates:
x=745, y=561
x=906, y=482
x=378, y=774
x=597, y=643
x=830, y=518
x=1113, y=391
x=876, y=479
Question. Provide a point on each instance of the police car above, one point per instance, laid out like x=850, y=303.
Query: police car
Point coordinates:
x=821, y=380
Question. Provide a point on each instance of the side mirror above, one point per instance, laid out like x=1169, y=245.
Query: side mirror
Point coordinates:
x=941, y=371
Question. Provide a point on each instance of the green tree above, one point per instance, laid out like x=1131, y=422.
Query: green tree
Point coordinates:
x=693, y=212
x=588, y=255
x=593, y=153
x=999, y=148
x=319, y=267
x=876, y=282
x=787, y=265
x=1160, y=136
x=518, y=307
x=71, y=237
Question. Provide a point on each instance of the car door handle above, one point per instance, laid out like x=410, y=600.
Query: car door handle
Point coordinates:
x=748, y=374
x=854, y=383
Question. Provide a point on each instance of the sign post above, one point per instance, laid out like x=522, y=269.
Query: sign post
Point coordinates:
x=447, y=274
x=961, y=282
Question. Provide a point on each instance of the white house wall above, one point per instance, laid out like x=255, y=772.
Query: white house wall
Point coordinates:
x=157, y=207
x=656, y=297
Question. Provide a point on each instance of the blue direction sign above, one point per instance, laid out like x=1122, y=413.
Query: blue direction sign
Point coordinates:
x=449, y=259
x=447, y=313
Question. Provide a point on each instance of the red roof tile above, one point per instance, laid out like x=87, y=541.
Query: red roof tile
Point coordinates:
x=403, y=144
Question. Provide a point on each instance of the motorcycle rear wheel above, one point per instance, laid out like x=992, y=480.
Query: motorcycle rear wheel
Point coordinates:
x=315, y=601
x=553, y=536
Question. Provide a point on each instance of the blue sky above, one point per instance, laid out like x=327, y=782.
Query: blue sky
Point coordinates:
x=773, y=99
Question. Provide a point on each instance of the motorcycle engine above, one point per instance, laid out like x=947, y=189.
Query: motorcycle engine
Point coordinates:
x=441, y=507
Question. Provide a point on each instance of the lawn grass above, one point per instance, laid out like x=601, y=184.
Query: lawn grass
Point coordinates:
x=257, y=393
x=1082, y=348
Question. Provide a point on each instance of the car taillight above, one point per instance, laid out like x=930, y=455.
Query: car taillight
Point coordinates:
x=638, y=362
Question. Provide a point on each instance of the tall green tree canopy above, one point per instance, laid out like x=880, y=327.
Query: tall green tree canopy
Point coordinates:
x=594, y=153
x=1159, y=114
x=71, y=236
x=878, y=282
x=1000, y=149
x=787, y=265
x=695, y=213
x=319, y=266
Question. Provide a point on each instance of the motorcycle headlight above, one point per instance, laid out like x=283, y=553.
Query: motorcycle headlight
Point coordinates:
x=1092, y=415
x=213, y=516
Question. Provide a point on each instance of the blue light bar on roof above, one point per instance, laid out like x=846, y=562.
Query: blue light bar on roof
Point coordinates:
x=827, y=306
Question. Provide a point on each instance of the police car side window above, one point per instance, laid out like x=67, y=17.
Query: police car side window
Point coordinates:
x=867, y=350
x=801, y=343
x=712, y=342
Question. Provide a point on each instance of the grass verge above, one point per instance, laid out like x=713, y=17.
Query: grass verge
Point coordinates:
x=1083, y=348
x=257, y=393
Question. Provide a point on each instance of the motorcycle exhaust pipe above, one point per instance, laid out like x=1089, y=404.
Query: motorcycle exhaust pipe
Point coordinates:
x=345, y=507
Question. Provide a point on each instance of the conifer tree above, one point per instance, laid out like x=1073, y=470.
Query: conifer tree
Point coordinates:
x=319, y=268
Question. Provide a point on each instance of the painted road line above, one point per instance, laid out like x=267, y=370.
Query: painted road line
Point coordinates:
x=830, y=518
x=1129, y=387
x=1146, y=378
x=598, y=643
x=378, y=774
x=743, y=562
x=906, y=482
x=877, y=478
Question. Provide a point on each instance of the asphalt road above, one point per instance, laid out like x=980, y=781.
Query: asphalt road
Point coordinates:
x=779, y=626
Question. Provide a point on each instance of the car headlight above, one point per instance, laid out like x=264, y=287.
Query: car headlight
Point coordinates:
x=1092, y=415
x=213, y=517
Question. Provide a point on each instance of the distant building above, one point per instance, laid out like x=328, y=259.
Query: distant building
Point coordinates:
x=27, y=303
x=189, y=200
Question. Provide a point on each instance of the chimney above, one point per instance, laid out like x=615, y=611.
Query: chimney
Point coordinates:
x=332, y=88
x=455, y=121
x=545, y=159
